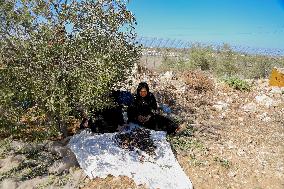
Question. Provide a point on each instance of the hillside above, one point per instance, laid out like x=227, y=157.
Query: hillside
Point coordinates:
x=231, y=138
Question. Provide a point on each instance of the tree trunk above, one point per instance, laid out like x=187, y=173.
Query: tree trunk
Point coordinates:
x=62, y=126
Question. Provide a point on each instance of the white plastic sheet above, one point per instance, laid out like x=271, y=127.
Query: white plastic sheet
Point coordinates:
x=99, y=155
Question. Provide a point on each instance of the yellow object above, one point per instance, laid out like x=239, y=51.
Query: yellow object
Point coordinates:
x=277, y=77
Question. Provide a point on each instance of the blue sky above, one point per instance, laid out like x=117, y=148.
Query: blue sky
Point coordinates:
x=254, y=23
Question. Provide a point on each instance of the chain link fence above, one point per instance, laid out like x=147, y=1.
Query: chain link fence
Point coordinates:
x=155, y=50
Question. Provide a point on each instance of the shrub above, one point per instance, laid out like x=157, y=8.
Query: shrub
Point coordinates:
x=201, y=57
x=238, y=83
x=62, y=56
x=225, y=62
x=222, y=62
x=198, y=81
x=258, y=66
x=177, y=64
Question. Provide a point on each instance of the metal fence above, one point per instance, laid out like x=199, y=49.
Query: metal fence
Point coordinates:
x=157, y=49
x=154, y=42
x=178, y=44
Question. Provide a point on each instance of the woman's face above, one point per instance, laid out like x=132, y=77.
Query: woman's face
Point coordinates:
x=143, y=92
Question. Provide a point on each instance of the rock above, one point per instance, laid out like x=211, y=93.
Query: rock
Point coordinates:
x=17, y=145
x=8, y=184
x=241, y=152
x=57, y=148
x=33, y=183
x=241, y=119
x=61, y=151
x=223, y=115
x=167, y=76
x=10, y=162
x=231, y=145
x=64, y=164
x=250, y=107
x=232, y=174
x=65, y=140
x=51, y=144
x=20, y=146
x=277, y=90
x=76, y=177
x=264, y=117
x=265, y=100
x=182, y=89
x=221, y=106
x=19, y=158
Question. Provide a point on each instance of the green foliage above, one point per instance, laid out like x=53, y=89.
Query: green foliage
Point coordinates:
x=169, y=63
x=201, y=57
x=223, y=62
x=62, y=57
x=194, y=161
x=184, y=141
x=258, y=66
x=223, y=162
x=55, y=181
x=238, y=83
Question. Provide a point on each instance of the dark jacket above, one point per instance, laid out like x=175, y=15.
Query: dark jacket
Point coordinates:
x=142, y=105
x=108, y=119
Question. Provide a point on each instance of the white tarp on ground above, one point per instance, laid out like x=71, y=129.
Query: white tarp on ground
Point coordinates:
x=99, y=155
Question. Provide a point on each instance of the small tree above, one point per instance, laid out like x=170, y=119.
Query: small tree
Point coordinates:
x=226, y=62
x=201, y=57
x=63, y=55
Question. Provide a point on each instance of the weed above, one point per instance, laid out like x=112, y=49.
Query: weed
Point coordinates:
x=223, y=162
x=47, y=183
x=185, y=143
x=194, y=161
x=62, y=180
x=57, y=181
x=238, y=83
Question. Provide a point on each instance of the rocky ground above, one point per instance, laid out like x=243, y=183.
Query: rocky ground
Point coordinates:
x=231, y=139
x=50, y=164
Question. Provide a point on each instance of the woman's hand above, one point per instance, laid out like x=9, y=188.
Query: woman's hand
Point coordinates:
x=143, y=119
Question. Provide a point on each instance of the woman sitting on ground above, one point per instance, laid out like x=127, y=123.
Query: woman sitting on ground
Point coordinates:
x=143, y=111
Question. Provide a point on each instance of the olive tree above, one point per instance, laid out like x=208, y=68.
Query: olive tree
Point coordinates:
x=63, y=55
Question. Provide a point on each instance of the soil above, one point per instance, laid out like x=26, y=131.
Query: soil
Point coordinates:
x=240, y=150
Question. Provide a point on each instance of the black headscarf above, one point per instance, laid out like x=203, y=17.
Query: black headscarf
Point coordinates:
x=141, y=86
